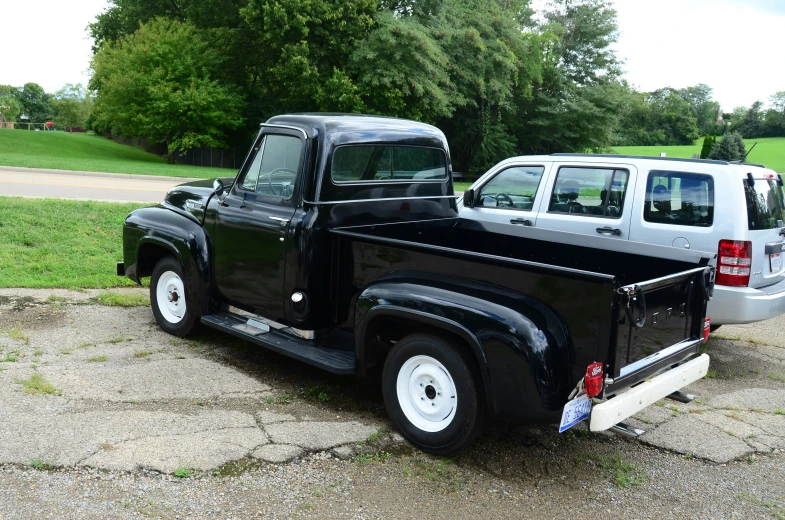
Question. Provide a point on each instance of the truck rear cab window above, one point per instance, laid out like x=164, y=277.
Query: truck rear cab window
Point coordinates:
x=273, y=171
x=597, y=192
x=765, y=207
x=680, y=199
x=388, y=163
x=513, y=188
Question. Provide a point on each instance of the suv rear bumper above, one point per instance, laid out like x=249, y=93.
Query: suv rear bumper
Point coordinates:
x=615, y=410
x=745, y=305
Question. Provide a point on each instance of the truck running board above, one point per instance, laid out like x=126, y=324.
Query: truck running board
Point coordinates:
x=334, y=354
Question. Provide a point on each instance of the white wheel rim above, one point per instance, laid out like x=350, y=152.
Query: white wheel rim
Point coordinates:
x=170, y=296
x=427, y=393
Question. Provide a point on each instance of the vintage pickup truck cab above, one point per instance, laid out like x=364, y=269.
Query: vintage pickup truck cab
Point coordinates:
x=339, y=244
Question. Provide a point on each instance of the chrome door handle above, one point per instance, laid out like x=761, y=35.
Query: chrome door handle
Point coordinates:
x=525, y=222
x=282, y=221
x=609, y=231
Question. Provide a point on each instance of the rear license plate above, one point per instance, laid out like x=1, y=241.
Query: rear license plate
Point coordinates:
x=776, y=262
x=574, y=412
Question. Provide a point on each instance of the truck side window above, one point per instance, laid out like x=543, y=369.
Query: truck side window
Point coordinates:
x=273, y=171
x=513, y=188
x=597, y=192
x=681, y=199
x=388, y=163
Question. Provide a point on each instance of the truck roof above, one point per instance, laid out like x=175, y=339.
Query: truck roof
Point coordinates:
x=363, y=128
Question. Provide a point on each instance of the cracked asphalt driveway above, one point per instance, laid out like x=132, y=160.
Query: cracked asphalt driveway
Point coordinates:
x=86, y=387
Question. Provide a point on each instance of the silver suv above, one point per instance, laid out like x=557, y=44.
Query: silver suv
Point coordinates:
x=734, y=210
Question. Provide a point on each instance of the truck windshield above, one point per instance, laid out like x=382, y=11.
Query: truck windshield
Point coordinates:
x=388, y=163
x=765, y=206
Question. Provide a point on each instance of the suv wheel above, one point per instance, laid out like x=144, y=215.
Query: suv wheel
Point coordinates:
x=431, y=394
x=174, y=309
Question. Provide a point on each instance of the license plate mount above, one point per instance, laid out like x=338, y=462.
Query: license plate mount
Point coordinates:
x=575, y=411
x=775, y=261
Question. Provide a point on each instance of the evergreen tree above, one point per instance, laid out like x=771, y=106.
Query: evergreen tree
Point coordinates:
x=708, y=144
x=730, y=148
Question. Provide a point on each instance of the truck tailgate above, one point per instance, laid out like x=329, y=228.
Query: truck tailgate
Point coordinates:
x=659, y=324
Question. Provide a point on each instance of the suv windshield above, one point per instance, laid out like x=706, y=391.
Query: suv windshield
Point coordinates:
x=765, y=206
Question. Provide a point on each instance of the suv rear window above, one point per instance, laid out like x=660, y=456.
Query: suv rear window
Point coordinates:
x=388, y=163
x=764, y=204
x=680, y=199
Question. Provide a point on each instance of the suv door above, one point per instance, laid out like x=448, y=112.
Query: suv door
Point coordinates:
x=589, y=198
x=252, y=224
x=510, y=196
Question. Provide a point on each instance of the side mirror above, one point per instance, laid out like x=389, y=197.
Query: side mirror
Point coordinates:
x=468, y=198
x=218, y=187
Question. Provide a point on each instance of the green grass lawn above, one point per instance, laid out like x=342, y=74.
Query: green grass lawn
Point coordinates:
x=64, y=151
x=76, y=245
x=770, y=151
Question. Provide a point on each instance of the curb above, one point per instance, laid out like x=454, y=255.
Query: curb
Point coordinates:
x=19, y=169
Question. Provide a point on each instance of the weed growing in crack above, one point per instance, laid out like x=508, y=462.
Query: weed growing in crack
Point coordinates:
x=316, y=392
x=183, y=472
x=142, y=353
x=279, y=399
x=115, y=299
x=97, y=359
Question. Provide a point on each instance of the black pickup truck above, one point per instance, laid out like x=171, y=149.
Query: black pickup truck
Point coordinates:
x=339, y=244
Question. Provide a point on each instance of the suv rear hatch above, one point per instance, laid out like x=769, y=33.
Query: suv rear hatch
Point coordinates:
x=765, y=216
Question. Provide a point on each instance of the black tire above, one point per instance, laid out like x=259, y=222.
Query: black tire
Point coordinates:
x=469, y=412
x=190, y=319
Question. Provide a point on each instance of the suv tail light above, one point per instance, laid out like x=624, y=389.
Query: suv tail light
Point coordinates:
x=735, y=262
x=593, y=380
x=706, y=330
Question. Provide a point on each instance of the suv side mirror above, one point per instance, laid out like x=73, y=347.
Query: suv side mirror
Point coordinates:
x=218, y=187
x=468, y=198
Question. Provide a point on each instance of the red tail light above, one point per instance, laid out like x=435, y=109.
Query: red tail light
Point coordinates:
x=734, y=263
x=594, y=379
x=706, y=330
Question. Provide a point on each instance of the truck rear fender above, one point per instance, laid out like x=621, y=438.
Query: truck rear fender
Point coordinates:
x=520, y=345
x=151, y=234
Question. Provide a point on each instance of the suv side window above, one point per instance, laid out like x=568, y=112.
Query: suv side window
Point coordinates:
x=273, y=171
x=681, y=199
x=597, y=192
x=513, y=188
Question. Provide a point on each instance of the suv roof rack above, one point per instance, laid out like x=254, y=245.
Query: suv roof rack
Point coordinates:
x=655, y=158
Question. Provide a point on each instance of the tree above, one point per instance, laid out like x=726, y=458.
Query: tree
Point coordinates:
x=72, y=105
x=9, y=108
x=730, y=148
x=708, y=143
x=34, y=103
x=159, y=83
x=752, y=123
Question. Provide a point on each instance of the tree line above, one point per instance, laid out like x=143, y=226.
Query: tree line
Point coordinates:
x=498, y=78
x=69, y=107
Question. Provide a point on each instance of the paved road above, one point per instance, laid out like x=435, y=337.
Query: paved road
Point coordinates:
x=115, y=188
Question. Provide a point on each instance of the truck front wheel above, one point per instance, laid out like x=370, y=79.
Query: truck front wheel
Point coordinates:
x=174, y=309
x=431, y=394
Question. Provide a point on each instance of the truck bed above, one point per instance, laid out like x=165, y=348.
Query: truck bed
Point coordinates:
x=599, y=288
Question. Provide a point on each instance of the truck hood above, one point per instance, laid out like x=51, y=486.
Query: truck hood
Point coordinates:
x=192, y=197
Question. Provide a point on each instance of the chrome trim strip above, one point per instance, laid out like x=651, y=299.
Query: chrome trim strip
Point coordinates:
x=266, y=125
x=305, y=334
x=641, y=363
x=379, y=200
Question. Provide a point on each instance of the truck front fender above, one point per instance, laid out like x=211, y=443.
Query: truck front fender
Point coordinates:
x=150, y=234
x=519, y=344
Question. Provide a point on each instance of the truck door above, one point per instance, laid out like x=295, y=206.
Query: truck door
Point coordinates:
x=252, y=224
x=590, y=199
x=510, y=196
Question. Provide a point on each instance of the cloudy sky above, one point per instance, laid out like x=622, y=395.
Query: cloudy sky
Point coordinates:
x=734, y=46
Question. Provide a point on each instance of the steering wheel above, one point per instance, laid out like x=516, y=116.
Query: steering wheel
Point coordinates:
x=575, y=207
x=506, y=198
x=383, y=178
x=282, y=192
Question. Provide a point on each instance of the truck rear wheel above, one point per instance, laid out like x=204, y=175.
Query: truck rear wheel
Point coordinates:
x=431, y=394
x=174, y=309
